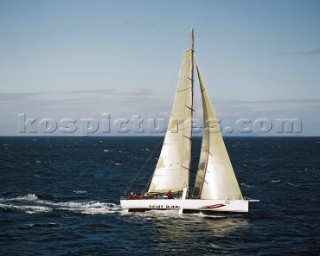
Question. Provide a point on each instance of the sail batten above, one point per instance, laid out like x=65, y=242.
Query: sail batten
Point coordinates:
x=215, y=177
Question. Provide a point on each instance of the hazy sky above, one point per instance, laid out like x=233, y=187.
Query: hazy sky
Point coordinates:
x=81, y=59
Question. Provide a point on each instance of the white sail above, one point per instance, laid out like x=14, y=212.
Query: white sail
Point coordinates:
x=215, y=176
x=172, y=170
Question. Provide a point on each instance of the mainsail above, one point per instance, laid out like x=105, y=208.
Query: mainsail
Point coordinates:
x=172, y=170
x=215, y=177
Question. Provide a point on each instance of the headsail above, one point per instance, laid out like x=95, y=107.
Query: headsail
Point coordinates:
x=172, y=170
x=215, y=176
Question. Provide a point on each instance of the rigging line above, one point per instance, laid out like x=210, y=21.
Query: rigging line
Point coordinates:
x=165, y=100
x=132, y=182
x=164, y=106
x=169, y=92
x=154, y=169
x=149, y=181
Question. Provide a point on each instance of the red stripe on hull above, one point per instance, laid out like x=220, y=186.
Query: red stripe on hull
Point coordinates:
x=213, y=206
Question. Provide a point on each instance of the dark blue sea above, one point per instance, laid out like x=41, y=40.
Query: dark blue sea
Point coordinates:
x=60, y=196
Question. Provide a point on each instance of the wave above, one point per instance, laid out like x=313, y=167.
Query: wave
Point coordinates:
x=50, y=224
x=30, y=209
x=28, y=197
x=154, y=213
x=91, y=207
x=246, y=185
x=291, y=184
x=32, y=204
x=79, y=191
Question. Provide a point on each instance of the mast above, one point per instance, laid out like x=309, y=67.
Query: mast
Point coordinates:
x=192, y=61
x=186, y=192
x=192, y=69
x=192, y=39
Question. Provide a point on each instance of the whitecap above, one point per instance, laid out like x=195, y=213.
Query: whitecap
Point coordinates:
x=246, y=185
x=30, y=209
x=41, y=224
x=213, y=216
x=79, y=191
x=90, y=207
x=86, y=207
x=153, y=213
x=291, y=184
x=28, y=197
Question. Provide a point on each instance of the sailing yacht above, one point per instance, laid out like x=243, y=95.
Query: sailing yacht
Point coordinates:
x=216, y=188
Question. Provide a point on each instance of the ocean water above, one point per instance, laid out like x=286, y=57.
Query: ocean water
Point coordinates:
x=60, y=196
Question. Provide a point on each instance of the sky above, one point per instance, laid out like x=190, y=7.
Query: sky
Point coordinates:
x=111, y=67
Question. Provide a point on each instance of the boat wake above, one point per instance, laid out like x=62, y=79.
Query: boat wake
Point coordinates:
x=31, y=204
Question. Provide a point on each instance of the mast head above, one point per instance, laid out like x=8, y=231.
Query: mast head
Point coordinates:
x=192, y=38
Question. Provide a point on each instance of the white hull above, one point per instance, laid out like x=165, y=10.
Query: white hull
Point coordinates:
x=186, y=205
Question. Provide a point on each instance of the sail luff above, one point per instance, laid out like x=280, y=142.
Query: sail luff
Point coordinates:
x=215, y=176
